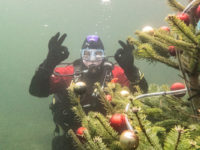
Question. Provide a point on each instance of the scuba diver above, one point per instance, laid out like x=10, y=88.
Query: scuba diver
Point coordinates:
x=92, y=67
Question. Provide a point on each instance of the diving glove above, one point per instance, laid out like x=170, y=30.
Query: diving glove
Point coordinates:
x=57, y=52
x=125, y=59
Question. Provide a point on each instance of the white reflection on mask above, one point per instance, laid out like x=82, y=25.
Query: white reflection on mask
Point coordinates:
x=92, y=56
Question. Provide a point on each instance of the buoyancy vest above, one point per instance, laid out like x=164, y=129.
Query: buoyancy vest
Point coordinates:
x=61, y=106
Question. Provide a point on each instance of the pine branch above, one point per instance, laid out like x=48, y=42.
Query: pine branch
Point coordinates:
x=180, y=44
x=92, y=145
x=94, y=126
x=181, y=69
x=157, y=135
x=79, y=112
x=143, y=129
x=175, y=5
x=76, y=140
x=101, y=128
x=146, y=51
x=108, y=107
x=185, y=78
x=195, y=131
x=178, y=138
x=75, y=101
x=106, y=126
x=149, y=132
x=132, y=41
x=179, y=27
x=153, y=112
x=100, y=143
x=115, y=145
x=188, y=63
x=161, y=48
x=180, y=131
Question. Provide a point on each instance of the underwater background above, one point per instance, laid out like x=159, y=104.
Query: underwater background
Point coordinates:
x=25, y=28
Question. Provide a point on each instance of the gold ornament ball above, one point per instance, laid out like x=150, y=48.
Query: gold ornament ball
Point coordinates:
x=80, y=87
x=148, y=29
x=124, y=93
x=129, y=140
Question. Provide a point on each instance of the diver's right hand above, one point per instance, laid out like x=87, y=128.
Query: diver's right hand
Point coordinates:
x=57, y=52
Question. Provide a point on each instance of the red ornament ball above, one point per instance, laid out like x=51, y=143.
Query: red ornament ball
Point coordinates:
x=80, y=131
x=172, y=50
x=197, y=12
x=165, y=28
x=177, y=86
x=184, y=17
x=117, y=121
x=108, y=97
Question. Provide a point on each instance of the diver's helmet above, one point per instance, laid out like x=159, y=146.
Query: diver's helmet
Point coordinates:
x=92, y=53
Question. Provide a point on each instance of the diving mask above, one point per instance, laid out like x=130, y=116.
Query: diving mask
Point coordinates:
x=92, y=56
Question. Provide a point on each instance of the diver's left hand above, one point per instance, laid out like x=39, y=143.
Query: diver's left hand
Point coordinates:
x=124, y=56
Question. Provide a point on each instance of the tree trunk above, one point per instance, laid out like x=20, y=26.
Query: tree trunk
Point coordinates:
x=194, y=90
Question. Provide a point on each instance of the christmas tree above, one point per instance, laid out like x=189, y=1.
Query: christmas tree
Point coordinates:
x=165, y=118
x=177, y=46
